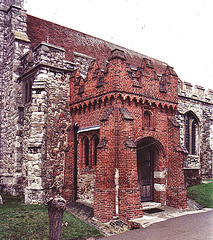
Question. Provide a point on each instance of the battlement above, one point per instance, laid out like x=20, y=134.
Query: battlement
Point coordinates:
x=196, y=92
x=5, y=4
x=46, y=54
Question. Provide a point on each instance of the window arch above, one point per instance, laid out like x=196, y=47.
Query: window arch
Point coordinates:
x=86, y=151
x=30, y=91
x=147, y=119
x=95, y=144
x=191, y=133
x=27, y=93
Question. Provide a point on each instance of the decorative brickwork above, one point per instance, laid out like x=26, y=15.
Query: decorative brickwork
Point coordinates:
x=99, y=123
x=117, y=108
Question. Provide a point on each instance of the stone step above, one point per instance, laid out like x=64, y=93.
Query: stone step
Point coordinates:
x=150, y=205
x=146, y=221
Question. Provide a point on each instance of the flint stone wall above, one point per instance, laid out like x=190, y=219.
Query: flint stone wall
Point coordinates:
x=13, y=45
x=200, y=102
x=33, y=136
x=46, y=119
x=85, y=186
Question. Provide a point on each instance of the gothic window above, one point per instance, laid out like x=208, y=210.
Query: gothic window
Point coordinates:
x=86, y=151
x=88, y=148
x=27, y=91
x=162, y=83
x=187, y=132
x=95, y=144
x=30, y=91
x=147, y=119
x=191, y=133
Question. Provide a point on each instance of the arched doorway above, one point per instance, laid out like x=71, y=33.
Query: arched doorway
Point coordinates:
x=149, y=154
x=145, y=161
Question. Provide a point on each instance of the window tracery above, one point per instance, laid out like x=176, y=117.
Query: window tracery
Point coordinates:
x=191, y=133
x=89, y=147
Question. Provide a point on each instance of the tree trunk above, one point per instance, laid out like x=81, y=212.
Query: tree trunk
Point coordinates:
x=56, y=207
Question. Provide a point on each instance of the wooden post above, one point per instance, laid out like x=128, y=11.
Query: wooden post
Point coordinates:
x=56, y=207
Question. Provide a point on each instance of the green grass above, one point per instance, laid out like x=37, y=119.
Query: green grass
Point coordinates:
x=202, y=193
x=24, y=221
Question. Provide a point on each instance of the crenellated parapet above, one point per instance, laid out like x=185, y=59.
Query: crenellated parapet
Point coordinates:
x=195, y=105
x=85, y=117
x=121, y=103
x=45, y=54
x=7, y=3
x=147, y=82
x=196, y=92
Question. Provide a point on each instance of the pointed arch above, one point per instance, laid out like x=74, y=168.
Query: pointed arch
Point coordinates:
x=147, y=119
x=26, y=92
x=150, y=164
x=191, y=126
x=95, y=142
x=150, y=141
x=85, y=146
x=193, y=115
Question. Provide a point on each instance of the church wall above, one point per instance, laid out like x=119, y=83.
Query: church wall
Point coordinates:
x=46, y=119
x=49, y=106
x=87, y=118
x=34, y=118
x=15, y=43
x=200, y=103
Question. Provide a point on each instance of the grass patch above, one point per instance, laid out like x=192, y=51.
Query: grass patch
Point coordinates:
x=202, y=193
x=25, y=221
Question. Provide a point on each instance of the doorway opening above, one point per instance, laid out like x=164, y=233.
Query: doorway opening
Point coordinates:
x=151, y=167
x=145, y=161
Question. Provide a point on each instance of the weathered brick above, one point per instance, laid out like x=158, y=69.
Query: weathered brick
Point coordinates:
x=91, y=108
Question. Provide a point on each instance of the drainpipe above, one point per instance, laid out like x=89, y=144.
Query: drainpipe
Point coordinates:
x=116, y=162
x=116, y=191
x=75, y=129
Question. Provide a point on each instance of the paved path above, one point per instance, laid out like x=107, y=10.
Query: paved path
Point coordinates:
x=115, y=227
x=198, y=226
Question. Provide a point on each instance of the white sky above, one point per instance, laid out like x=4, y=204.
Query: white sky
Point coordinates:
x=178, y=32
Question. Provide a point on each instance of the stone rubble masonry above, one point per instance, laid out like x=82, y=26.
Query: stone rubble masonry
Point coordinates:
x=5, y=4
x=106, y=95
x=200, y=102
x=33, y=135
x=46, y=120
x=13, y=45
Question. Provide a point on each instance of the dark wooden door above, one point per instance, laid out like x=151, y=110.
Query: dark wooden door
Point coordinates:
x=145, y=158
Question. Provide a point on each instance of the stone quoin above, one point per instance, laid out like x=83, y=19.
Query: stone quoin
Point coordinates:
x=96, y=122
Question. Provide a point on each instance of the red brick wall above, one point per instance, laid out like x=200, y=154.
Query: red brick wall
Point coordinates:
x=117, y=99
